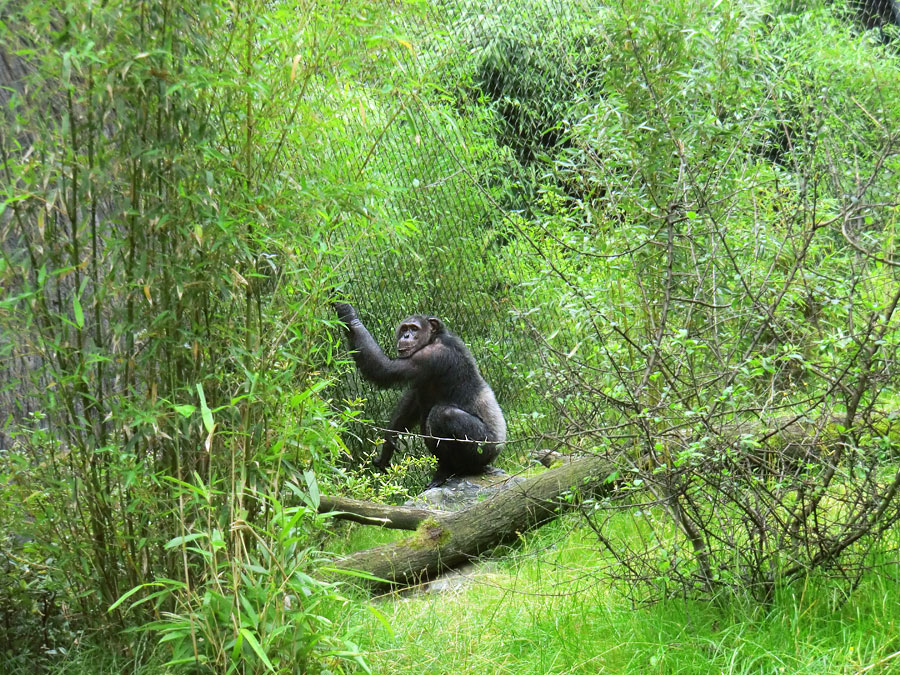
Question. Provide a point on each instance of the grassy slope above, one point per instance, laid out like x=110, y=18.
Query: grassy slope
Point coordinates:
x=546, y=609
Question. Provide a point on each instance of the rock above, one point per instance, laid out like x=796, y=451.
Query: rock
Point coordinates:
x=460, y=492
x=549, y=457
x=457, y=580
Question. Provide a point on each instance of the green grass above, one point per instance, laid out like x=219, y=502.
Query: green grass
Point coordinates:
x=547, y=606
x=546, y=609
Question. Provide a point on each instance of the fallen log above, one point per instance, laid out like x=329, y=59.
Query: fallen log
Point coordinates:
x=445, y=540
x=371, y=513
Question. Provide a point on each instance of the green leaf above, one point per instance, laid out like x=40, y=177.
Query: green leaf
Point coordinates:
x=204, y=410
x=185, y=410
x=251, y=640
x=382, y=619
x=249, y=611
x=134, y=590
x=353, y=573
x=66, y=68
x=177, y=541
x=11, y=302
x=79, y=312
x=313, y=488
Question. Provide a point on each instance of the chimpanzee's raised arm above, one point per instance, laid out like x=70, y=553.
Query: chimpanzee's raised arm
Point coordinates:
x=372, y=362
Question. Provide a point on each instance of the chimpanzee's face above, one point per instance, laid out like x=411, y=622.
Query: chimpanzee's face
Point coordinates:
x=412, y=334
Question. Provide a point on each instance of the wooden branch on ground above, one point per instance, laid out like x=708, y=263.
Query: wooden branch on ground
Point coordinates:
x=370, y=513
x=446, y=540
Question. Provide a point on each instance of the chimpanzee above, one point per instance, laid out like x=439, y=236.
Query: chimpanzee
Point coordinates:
x=447, y=397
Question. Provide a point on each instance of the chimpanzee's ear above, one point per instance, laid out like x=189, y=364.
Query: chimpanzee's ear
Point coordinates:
x=437, y=326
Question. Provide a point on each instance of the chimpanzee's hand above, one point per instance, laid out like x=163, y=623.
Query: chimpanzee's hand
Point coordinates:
x=346, y=313
x=381, y=462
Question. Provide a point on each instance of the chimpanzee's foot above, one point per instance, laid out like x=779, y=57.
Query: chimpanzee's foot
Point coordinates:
x=439, y=478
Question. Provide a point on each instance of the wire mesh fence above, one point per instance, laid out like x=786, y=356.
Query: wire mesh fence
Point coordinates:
x=437, y=237
x=432, y=242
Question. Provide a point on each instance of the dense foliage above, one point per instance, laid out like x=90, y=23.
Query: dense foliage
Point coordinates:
x=710, y=224
x=666, y=231
x=167, y=249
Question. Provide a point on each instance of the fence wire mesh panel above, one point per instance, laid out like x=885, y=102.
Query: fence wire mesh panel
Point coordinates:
x=444, y=232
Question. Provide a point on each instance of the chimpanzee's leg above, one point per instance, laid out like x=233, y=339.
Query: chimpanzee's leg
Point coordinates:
x=460, y=445
x=406, y=415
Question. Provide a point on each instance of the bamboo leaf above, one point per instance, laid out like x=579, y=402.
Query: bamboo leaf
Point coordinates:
x=177, y=541
x=185, y=410
x=254, y=644
x=134, y=590
x=66, y=68
x=313, y=487
x=79, y=312
x=204, y=410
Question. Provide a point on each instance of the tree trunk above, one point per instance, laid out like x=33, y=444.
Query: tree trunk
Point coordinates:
x=446, y=540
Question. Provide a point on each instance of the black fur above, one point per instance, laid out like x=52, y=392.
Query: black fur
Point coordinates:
x=447, y=398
